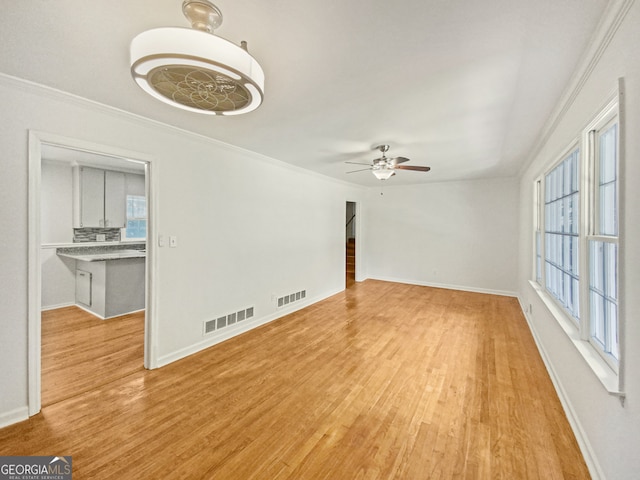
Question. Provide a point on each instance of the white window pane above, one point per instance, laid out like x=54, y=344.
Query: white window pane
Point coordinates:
x=547, y=217
x=608, y=209
x=547, y=189
x=574, y=256
x=611, y=270
x=596, y=277
x=575, y=292
x=575, y=171
x=559, y=180
x=597, y=317
x=608, y=154
x=573, y=213
x=560, y=285
x=567, y=175
x=566, y=215
x=613, y=328
x=575, y=202
x=566, y=291
x=538, y=259
x=552, y=185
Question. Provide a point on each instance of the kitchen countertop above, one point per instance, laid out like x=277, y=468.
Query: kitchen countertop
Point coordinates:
x=102, y=253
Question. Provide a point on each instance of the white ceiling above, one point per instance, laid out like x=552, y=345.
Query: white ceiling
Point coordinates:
x=463, y=86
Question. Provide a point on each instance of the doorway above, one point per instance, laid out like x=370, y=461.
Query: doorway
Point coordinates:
x=65, y=154
x=350, y=238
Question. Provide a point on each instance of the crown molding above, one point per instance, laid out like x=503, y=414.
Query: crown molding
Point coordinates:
x=606, y=30
x=46, y=91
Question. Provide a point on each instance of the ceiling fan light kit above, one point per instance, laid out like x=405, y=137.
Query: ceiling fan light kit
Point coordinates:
x=384, y=168
x=383, y=173
x=195, y=70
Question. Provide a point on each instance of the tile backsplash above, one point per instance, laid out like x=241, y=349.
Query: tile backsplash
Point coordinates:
x=89, y=234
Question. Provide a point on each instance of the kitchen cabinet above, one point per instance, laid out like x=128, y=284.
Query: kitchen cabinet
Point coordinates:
x=99, y=198
x=83, y=287
x=116, y=287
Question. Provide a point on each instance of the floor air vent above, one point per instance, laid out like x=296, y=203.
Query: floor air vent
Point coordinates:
x=292, y=297
x=226, y=320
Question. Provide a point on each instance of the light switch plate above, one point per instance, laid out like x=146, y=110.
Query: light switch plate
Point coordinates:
x=173, y=241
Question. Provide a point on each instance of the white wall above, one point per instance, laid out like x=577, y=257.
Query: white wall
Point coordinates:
x=58, y=279
x=248, y=227
x=609, y=431
x=453, y=234
x=56, y=217
x=56, y=226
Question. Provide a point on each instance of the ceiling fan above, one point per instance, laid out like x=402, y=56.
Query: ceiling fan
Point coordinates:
x=385, y=167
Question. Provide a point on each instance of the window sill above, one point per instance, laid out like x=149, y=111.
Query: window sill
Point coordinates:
x=609, y=379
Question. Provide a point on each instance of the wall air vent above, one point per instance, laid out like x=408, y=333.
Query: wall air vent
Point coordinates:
x=209, y=326
x=223, y=321
x=291, y=298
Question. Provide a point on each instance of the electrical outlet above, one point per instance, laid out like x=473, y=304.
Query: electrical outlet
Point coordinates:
x=101, y=237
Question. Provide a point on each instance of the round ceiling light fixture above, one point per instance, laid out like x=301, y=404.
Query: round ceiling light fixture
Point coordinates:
x=193, y=69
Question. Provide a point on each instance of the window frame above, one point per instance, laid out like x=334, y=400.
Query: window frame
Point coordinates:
x=606, y=367
x=573, y=147
x=608, y=116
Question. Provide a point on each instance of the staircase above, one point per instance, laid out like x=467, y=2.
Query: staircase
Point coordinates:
x=351, y=259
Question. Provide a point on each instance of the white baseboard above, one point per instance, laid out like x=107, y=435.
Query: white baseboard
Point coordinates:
x=54, y=307
x=504, y=293
x=14, y=416
x=581, y=437
x=237, y=329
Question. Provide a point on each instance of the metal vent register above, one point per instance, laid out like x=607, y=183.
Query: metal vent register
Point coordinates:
x=226, y=320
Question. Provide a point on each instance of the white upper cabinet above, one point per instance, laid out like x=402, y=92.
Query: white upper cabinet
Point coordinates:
x=99, y=198
x=115, y=202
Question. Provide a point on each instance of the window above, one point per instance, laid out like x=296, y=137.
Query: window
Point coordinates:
x=576, y=242
x=602, y=239
x=561, y=204
x=136, y=217
x=538, y=232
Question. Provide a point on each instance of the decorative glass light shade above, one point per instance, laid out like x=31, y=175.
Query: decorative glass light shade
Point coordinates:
x=383, y=173
x=194, y=69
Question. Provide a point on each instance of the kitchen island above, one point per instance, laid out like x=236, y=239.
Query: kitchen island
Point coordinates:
x=109, y=281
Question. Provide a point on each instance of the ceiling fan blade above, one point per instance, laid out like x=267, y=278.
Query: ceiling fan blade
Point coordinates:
x=361, y=170
x=358, y=163
x=397, y=160
x=409, y=167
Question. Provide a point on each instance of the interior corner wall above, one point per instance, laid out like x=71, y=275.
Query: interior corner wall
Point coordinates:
x=460, y=235
x=249, y=228
x=609, y=432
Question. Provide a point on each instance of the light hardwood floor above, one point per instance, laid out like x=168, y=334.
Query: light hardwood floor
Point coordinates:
x=80, y=352
x=382, y=381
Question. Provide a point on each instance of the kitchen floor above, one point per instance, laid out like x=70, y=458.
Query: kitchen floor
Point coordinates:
x=81, y=352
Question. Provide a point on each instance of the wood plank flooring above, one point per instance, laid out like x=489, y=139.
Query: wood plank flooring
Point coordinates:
x=383, y=381
x=81, y=352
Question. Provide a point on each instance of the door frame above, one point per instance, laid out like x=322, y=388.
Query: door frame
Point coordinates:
x=359, y=274
x=34, y=341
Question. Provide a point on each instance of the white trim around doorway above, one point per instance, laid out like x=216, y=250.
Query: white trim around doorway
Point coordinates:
x=36, y=140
